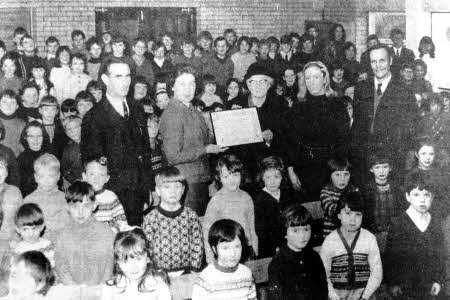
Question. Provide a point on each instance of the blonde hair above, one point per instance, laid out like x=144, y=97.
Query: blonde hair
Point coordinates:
x=169, y=174
x=326, y=75
x=47, y=161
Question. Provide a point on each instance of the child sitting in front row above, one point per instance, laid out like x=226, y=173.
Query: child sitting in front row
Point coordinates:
x=109, y=209
x=350, y=254
x=230, y=202
x=339, y=170
x=83, y=248
x=414, y=261
x=296, y=271
x=226, y=277
x=173, y=228
x=135, y=277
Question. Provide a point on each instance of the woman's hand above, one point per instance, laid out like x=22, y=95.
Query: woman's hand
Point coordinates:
x=296, y=184
x=435, y=289
x=214, y=149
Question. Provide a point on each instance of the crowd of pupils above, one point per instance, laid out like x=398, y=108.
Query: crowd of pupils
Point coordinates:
x=85, y=239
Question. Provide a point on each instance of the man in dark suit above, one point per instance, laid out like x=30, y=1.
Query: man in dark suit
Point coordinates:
x=400, y=54
x=116, y=128
x=385, y=114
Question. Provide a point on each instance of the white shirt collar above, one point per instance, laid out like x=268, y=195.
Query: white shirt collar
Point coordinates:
x=275, y=195
x=384, y=83
x=420, y=220
x=117, y=103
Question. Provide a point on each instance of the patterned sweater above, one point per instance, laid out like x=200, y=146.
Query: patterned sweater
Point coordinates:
x=217, y=282
x=110, y=210
x=352, y=270
x=176, y=238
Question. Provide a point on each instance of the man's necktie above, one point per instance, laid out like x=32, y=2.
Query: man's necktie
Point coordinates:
x=398, y=53
x=379, y=92
x=125, y=110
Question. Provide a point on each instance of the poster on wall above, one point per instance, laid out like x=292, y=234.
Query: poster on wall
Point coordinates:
x=381, y=24
x=440, y=33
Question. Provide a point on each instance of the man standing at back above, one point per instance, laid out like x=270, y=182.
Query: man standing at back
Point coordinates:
x=116, y=128
x=385, y=114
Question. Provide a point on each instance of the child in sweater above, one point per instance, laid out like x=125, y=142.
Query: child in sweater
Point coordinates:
x=350, y=254
x=174, y=230
x=226, y=277
x=71, y=165
x=30, y=227
x=47, y=195
x=339, y=170
x=414, y=261
x=383, y=198
x=135, y=277
x=230, y=202
x=209, y=95
x=109, y=209
x=9, y=104
x=296, y=271
x=84, y=247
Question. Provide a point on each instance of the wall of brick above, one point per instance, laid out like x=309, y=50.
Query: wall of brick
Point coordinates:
x=259, y=18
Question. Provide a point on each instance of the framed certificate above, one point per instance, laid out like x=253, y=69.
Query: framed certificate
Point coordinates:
x=236, y=127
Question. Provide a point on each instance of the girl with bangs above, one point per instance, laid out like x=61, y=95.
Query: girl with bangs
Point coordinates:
x=134, y=274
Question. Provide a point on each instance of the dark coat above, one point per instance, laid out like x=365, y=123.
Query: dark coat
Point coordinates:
x=124, y=142
x=406, y=56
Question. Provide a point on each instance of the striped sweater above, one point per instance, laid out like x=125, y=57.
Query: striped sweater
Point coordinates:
x=110, y=210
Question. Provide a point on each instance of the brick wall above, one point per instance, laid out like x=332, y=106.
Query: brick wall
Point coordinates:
x=259, y=18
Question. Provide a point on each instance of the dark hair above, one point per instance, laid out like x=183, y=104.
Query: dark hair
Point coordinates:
x=285, y=39
x=204, y=35
x=348, y=45
x=2, y=45
x=417, y=180
x=23, y=135
x=227, y=230
x=49, y=100
x=426, y=40
x=39, y=267
x=111, y=61
x=381, y=46
x=139, y=39
x=79, y=56
x=19, y=30
x=306, y=37
x=132, y=244
x=69, y=105
x=214, y=106
x=208, y=79
x=419, y=62
x=338, y=164
x=28, y=85
x=93, y=41
x=379, y=158
x=353, y=200
x=273, y=40
x=58, y=53
x=10, y=94
x=26, y=36
x=372, y=37
x=178, y=71
x=12, y=57
x=51, y=39
x=231, y=162
x=197, y=103
x=78, y=190
x=253, y=40
x=336, y=65
x=169, y=174
x=424, y=141
x=84, y=96
x=244, y=38
x=296, y=215
x=267, y=163
x=77, y=32
x=333, y=29
x=395, y=32
x=29, y=214
x=96, y=85
x=229, y=30
x=158, y=45
x=219, y=39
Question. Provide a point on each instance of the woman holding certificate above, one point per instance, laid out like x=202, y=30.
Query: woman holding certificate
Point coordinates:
x=186, y=139
x=319, y=130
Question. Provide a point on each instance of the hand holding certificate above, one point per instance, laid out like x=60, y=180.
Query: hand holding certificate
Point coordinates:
x=236, y=127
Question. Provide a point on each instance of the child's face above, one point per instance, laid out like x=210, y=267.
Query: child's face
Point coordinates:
x=170, y=192
x=230, y=181
x=419, y=72
x=307, y=46
x=187, y=49
x=152, y=128
x=48, y=113
x=96, y=93
x=28, y=45
x=77, y=66
x=8, y=105
x=34, y=138
x=312, y=31
x=140, y=91
x=52, y=48
x=350, y=53
x=167, y=41
x=205, y=44
x=340, y=179
x=295, y=42
x=233, y=89
x=244, y=47
x=106, y=38
x=298, y=237
x=289, y=77
x=46, y=178
x=229, y=253
x=21, y=284
x=73, y=131
x=425, y=157
x=81, y=211
x=230, y=37
x=160, y=52
x=255, y=48
x=30, y=234
x=95, y=51
x=30, y=97
x=9, y=68
x=134, y=268
x=350, y=220
x=78, y=42
x=118, y=49
x=64, y=57
x=407, y=74
x=3, y=172
x=338, y=73
x=435, y=109
x=210, y=88
x=162, y=100
x=381, y=171
x=264, y=50
x=285, y=48
x=273, y=47
x=272, y=179
x=140, y=48
x=420, y=200
x=83, y=107
x=96, y=175
x=38, y=73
